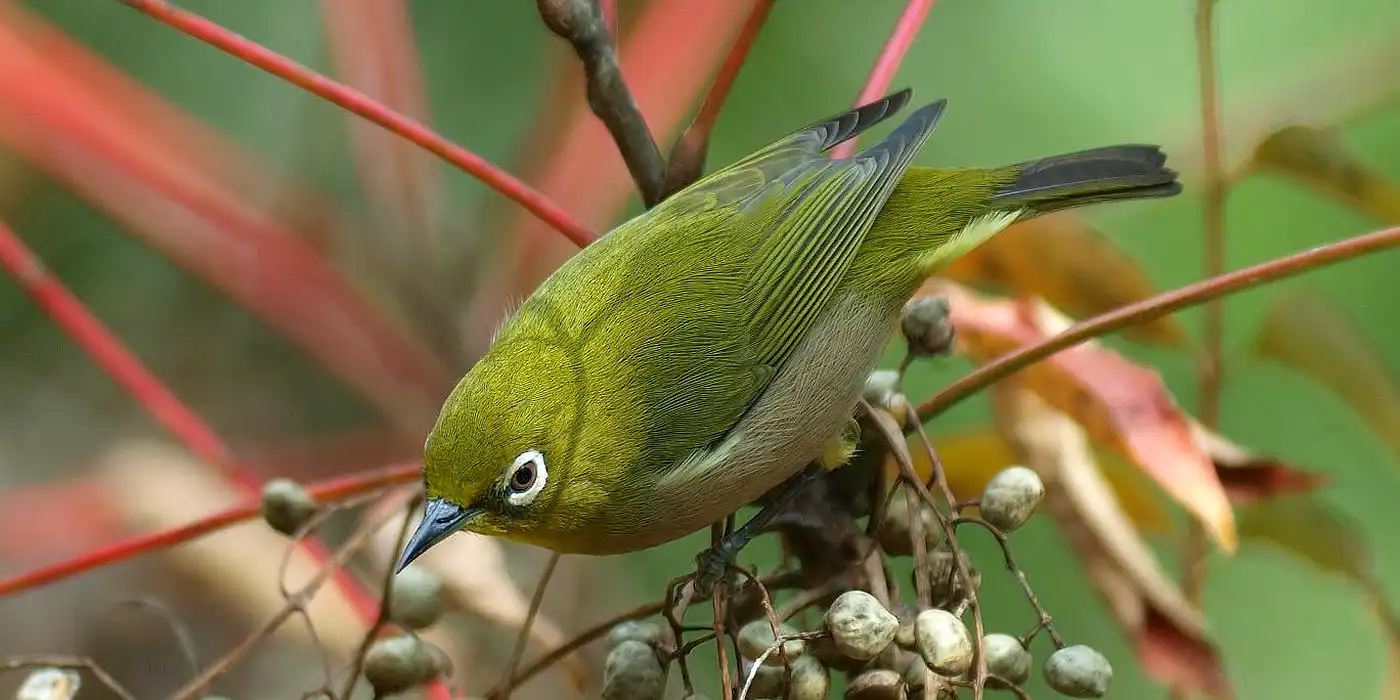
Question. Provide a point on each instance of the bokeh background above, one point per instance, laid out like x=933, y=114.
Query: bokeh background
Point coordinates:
x=1023, y=79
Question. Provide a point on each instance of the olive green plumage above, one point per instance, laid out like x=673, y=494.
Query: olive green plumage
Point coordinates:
x=703, y=352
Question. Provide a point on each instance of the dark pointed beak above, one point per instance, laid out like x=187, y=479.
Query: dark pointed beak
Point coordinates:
x=440, y=519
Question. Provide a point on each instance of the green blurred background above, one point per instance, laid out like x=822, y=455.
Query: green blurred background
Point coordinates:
x=1023, y=79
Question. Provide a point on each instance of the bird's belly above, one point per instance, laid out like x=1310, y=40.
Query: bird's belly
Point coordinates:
x=806, y=404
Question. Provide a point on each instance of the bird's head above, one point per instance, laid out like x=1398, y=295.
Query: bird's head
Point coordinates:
x=497, y=459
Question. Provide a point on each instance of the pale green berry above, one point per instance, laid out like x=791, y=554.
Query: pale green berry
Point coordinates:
x=1006, y=658
x=876, y=684
x=644, y=631
x=1011, y=497
x=859, y=625
x=394, y=664
x=756, y=637
x=416, y=601
x=286, y=506
x=1079, y=672
x=810, y=679
x=943, y=641
x=633, y=672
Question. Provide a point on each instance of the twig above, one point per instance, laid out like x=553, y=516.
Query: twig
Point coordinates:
x=1210, y=360
x=136, y=156
x=810, y=597
x=122, y=550
x=343, y=96
x=357, y=541
x=687, y=157
x=923, y=589
x=1158, y=306
x=582, y=638
x=905, y=29
x=581, y=23
x=385, y=600
x=1044, y=620
x=679, y=592
x=960, y=570
x=177, y=627
x=75, y=662
x=777, y=646
x=109, y=353
x=506, y=684
x=721, y=654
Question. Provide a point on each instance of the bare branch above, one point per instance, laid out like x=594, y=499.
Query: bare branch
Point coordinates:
x=581, y=23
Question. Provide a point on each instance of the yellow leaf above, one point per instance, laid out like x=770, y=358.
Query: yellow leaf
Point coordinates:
x=972, y=458
x=1318, y=159
x=1312, y=336
x=1062, y=259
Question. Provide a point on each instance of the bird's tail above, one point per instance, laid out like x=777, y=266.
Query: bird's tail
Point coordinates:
x=1129, y=171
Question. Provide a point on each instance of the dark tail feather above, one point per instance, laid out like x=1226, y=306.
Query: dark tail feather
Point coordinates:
x=1097, y=175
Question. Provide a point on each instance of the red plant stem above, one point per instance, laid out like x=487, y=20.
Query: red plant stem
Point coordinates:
x=100, y=344
x=1211, y=368
x=729, y=70
x=1210, y=361
x=339, y=94
x=325, y=492
x=905, y=29
x=181, y=189
x=1156, y=307
x=372, y=47
x=608, y=8
x=112, y=356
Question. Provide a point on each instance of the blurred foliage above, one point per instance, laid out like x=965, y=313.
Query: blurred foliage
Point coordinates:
x=1023, y=79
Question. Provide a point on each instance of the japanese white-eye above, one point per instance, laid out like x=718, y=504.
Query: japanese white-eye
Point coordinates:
x=705, y=351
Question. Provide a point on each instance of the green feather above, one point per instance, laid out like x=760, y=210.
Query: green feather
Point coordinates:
x=745, y=308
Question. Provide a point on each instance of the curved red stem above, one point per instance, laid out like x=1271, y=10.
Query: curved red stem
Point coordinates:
x=342, y=95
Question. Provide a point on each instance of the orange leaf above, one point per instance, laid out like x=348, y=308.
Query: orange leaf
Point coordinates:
x=1121, y=405
x=1317, y=158
x=1070, y=264
x=1167, y=634
x=972, y=458
x=1311, y=335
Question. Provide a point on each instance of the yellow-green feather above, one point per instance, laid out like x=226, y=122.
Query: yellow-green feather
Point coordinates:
x=630, y=366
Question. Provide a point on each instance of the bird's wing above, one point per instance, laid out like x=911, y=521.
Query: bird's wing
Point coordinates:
x=798, y=221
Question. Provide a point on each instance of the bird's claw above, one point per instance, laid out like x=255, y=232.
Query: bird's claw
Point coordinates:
x=710, y=566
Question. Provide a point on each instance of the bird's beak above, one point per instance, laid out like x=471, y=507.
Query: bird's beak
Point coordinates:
x=440, y=519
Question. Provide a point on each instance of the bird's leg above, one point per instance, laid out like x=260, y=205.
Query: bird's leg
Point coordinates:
x=713, y=562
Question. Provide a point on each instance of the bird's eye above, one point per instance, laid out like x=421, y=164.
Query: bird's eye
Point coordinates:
x=526, y=478
x=523, y=478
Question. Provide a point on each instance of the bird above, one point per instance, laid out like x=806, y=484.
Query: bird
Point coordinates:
x=711, y=348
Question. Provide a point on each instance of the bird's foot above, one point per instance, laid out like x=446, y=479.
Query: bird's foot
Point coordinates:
x=713, y=563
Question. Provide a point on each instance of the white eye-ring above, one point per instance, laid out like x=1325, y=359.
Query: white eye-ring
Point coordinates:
x=526, y=478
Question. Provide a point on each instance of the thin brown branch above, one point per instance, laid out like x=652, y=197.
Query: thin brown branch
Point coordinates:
x=1213, y=245
x=1043, y=619
x=687, y=158
x=297, y=601
x=582, y=638
x=1210, y=369
x=384, y=603
x=895, y=439
x=506, y=683
x=1156, y=307
x=581, y=23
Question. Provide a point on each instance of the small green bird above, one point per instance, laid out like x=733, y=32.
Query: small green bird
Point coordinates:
x=706, y=351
